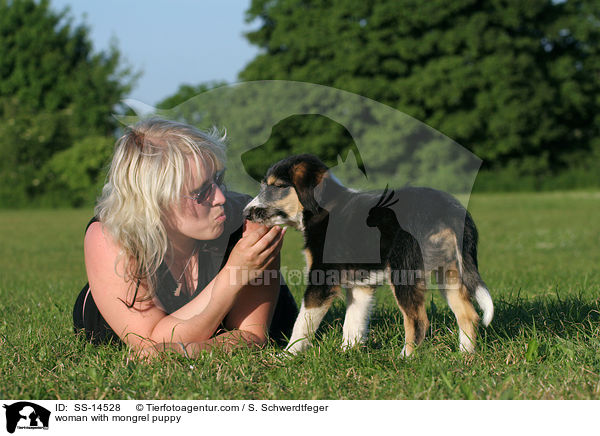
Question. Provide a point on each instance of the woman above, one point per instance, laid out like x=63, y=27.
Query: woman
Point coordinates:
x=169, y=264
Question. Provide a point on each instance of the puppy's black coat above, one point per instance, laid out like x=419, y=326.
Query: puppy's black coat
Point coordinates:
x=422, y=233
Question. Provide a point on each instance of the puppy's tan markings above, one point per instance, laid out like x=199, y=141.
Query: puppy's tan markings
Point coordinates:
x=290, y=203
x=313, y=300
x=309, y=259
x=415, y=328
x=416, y=323
x=466, y=316
x=446, y=244
x=442, y=235
x=445, y=240
x=298, y=174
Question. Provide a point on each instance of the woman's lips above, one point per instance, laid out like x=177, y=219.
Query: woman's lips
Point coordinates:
x=221, y=218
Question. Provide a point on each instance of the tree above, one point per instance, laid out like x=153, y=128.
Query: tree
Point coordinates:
x=185, y=92
x=79, y=171
x=515, y=82
x=54, y=90
x=256, y=162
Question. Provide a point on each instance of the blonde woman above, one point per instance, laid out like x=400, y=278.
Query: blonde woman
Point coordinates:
x=170, y=264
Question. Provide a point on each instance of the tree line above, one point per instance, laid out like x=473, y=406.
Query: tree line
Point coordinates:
x=516, y=83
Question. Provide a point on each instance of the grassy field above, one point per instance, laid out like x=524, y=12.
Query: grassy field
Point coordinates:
x=539, y=254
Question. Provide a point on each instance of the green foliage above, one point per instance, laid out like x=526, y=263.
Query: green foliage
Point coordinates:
x=582, y=172
x=246, y=115
x=27, y=140
x=75, y=176
x=185, y=92
x=323, y=132
x=514, y=82
x=268, y=120
x=54, y=90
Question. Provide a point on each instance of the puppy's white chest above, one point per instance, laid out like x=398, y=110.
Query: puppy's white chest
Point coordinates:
x=362, y=278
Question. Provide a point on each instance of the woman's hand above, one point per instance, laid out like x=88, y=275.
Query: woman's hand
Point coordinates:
x=255, y=252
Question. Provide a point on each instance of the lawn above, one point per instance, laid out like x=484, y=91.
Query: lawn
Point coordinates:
x=538, y=253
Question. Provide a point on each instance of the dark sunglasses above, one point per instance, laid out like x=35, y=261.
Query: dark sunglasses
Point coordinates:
x=207, y=191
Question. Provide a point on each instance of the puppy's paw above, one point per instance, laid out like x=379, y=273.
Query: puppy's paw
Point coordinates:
x=283, y=356
x=406, y=352
x=349, y=344
x=466, y=345
x=297, y=346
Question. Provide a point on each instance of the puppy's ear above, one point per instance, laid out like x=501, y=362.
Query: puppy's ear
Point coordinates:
x=325, y=195
x=327, y=192
x=305, y=179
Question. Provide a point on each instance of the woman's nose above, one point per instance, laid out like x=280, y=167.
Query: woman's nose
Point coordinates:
x=218, y=196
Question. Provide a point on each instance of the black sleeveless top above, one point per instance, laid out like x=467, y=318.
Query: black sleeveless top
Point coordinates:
x=212, y=256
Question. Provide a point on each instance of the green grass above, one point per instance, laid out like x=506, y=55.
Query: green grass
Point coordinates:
x=538, y=253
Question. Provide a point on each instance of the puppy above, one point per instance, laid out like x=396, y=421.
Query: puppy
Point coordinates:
x=411, y=238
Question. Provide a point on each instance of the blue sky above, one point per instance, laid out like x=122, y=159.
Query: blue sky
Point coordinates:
x=170, y=42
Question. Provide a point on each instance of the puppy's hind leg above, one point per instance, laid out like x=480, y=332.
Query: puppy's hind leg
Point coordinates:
x=359, y=304
x=459, y=301
x=411, y=300
x=315, y=304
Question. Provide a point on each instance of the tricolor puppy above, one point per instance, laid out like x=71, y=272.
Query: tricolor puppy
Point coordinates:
x=411, y=238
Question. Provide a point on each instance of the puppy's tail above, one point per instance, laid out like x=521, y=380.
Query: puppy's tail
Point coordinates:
x=470, y=273
x=478, y=290
x=484, y=300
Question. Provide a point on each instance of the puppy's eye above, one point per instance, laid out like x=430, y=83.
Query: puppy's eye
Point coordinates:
x=275, y=184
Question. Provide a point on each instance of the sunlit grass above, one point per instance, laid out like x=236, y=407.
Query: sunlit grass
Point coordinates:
x=538, y=253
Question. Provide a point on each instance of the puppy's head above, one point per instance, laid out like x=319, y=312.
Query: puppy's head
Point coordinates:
x=287, y=192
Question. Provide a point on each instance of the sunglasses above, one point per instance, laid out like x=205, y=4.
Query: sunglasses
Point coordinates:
x=208, y=189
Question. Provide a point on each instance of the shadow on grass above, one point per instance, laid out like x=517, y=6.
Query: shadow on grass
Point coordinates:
x=513, y=316
x=551, y=314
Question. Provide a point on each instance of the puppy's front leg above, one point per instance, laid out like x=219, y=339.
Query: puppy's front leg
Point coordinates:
x=315, y=305
x=359, y=304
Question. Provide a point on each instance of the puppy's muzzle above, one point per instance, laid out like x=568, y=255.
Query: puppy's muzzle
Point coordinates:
x=255, y=213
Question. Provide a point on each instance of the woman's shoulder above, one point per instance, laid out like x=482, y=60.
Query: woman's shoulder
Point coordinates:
x=98, y=240
x=92, y=221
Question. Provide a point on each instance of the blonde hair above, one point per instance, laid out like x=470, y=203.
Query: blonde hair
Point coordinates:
x=149, y=172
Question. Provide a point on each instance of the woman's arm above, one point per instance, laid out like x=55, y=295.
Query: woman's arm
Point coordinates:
x=145, y=326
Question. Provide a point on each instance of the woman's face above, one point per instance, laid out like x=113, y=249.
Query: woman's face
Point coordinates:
x=190, y=219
